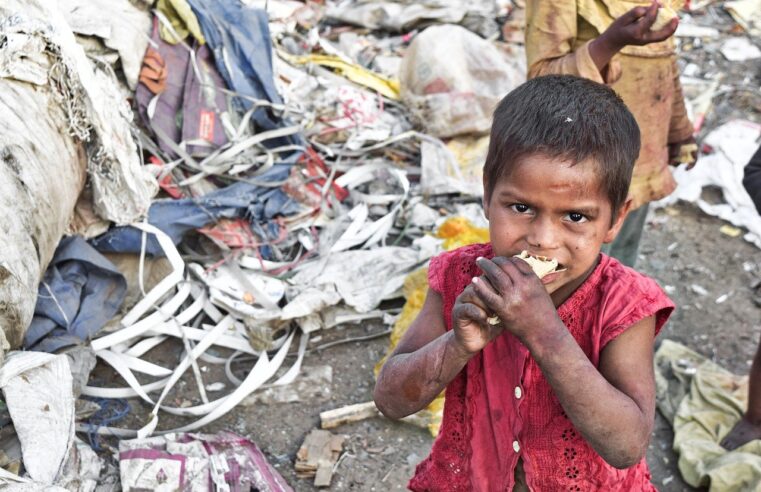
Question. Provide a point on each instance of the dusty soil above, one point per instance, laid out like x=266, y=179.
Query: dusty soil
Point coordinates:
x=682, y=247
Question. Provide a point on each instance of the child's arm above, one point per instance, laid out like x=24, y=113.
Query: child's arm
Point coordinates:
x=551, y=30
x=632, y=28
x=428, y=357
x=612, y=407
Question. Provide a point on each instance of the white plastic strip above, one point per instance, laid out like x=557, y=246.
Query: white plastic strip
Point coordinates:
x=128, y=392
x=129, y=332
x=145, y=345
x=291, y=374
x=140, y=365
x=178, y=267
x=204, y=344
x=252, y=382
x=196, y=334
x=259, y=374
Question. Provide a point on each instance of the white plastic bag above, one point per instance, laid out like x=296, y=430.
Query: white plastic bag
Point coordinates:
x=452, y=80
x=37, y=389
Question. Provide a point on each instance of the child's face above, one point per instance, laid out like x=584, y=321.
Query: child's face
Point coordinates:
x=552, y=208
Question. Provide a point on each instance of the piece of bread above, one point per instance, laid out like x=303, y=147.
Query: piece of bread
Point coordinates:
x=665, y=15
x=541, y=265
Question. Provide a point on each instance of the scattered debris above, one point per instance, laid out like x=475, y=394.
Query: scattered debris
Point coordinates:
x=733, y=143
x=730, y=231
x=222, y=461
x=350, y=413
x=317, y=456
x=699, y=290
x=740, y=49
x=37, y=388
x=313, y=384
x=320, y=147
x=723, y=298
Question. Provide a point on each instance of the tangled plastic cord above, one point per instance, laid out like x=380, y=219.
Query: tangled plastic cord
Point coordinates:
x=110, y=412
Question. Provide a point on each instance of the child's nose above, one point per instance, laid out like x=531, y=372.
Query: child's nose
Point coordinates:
x=542, y=235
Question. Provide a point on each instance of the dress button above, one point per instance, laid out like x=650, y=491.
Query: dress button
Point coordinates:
x=518, y=392
x=516, y=447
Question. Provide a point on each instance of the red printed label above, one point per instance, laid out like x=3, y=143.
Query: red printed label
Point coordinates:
x=206, y=126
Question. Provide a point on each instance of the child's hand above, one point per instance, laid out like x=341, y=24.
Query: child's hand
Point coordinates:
x=633, y=28
x=512, y=291
x=684, y=153
x=472, y=331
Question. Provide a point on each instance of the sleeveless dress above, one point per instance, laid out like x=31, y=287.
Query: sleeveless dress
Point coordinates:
x=500, y=408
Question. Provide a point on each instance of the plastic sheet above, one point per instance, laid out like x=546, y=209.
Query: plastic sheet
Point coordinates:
x=452, y=80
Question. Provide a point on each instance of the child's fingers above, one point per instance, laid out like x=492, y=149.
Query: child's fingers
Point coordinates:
x=648, y=19
x=486, y=293
x=515, y=269
x=469, y=295
x=633, y=15
x=522, y=266
x=470, y=311
x=495, y=275
x=663, y=33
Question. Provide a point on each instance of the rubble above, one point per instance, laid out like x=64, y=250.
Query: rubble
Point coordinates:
x=318, y=454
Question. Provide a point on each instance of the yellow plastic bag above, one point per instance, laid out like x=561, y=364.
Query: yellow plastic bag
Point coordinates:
x=356, y=73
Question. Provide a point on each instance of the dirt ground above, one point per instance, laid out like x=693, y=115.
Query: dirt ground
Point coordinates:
x=682, y=248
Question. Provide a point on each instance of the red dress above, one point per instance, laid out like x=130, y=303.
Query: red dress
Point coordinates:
x=500, y=408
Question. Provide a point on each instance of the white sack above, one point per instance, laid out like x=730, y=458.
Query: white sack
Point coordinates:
x=452, y=80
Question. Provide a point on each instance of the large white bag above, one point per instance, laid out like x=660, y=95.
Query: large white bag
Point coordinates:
x=453, y=79
x=60, y=120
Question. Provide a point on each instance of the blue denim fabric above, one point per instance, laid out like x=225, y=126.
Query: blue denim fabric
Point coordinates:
x=85, y=292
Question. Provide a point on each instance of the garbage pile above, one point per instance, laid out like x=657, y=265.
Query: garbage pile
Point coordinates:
x=199, y=183
x=721, y=95
x=217, y=180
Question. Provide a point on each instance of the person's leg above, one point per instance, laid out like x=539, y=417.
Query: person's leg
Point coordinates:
x=625, y=247
x=749, y=427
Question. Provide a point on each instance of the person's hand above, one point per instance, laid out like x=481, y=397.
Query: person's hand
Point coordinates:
x=511, y=290
x=472, y=330
x=685, y=152
x=633, y=28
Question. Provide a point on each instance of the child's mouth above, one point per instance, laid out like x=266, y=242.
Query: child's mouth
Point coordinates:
x=543, y=266
x=551, y=277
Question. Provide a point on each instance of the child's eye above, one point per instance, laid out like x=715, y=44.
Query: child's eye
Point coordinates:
x=576, y=217
x=521, y=208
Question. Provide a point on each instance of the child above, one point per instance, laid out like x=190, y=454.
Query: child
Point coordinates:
x=559, y=394
x=609, y=42
x=749, y=427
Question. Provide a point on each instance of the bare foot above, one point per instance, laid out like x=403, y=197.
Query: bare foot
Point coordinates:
x=743, y=432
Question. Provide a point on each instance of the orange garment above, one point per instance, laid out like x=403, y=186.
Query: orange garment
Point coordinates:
x=558, y=34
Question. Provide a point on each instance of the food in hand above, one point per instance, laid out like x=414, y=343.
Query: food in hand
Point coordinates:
x=686, y=153
x=541, y=265
x=665, y=15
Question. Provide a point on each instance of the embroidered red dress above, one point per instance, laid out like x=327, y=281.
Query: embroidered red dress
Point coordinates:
x=500, y=408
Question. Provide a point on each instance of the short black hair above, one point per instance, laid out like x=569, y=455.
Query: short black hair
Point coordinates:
x=570, y=118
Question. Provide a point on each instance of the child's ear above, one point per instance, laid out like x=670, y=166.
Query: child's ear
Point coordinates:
x=618, y=221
